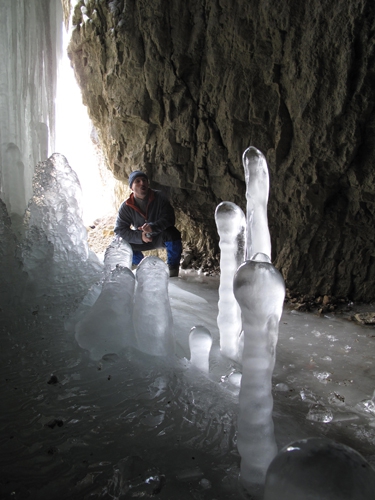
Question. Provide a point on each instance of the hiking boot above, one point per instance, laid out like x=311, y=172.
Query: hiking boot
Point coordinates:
x=173, y=271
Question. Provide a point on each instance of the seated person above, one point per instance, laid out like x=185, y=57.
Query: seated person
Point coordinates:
x=146, y=221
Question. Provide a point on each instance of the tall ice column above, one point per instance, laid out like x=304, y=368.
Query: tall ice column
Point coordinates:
x=231, y=225
x=152, y=316
x=259, y=289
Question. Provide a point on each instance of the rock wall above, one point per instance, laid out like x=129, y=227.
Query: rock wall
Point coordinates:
x=182, y=88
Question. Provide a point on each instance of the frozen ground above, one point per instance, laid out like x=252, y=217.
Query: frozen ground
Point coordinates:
x=134, y=426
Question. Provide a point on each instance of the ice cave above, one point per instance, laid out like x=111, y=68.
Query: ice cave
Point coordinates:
x=252, y=374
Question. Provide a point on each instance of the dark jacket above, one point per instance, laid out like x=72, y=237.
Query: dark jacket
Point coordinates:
x=159, y=215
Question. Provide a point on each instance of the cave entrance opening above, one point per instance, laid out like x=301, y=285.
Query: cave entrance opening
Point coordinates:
x=77, y=140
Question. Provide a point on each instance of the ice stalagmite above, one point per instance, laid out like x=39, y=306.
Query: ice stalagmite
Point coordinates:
x=200, y=342
x=152, y=316
x=259, y=289
x=231, y=224
x=55, y=252
x=82, y=310
x=257, y=188
x=319, y=469
x=118, y=252
x=108, y=327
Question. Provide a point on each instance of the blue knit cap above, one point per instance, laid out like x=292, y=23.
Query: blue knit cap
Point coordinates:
x=134, y=175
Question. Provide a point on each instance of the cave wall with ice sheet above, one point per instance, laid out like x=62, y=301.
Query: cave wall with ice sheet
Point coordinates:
x=181, y=89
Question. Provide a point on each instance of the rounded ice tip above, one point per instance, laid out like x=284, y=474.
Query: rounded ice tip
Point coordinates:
x=252, y=153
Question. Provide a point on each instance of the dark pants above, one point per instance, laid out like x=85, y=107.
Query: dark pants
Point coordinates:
x=170, y=239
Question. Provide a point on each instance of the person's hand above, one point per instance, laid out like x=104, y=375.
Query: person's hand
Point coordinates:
x=146, y=228
x=145, y=238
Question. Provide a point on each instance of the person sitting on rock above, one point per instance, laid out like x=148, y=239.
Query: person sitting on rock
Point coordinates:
x=146, y=221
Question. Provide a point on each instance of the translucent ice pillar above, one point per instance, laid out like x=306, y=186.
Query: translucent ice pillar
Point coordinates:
x=257, y=188
x=108, y=327
x=152, y=316
x=200, y=342
x=230, y=223
x=119, y=252
x=259, y=289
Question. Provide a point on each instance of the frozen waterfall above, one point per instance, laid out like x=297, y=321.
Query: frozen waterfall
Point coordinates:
x=31, y=32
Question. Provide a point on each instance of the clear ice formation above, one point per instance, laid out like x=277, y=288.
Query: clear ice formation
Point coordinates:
x=119, y=252
x=260, y=290
x=200, y=342
x=257, y=188
x=55, y=250
x=231, y=226
x=152, y=317
x=30, y=46
x=12, y=175
x=319, y=469
x=88, y=301
x=108, y=325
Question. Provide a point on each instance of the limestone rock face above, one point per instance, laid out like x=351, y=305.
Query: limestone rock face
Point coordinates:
x=182, y=88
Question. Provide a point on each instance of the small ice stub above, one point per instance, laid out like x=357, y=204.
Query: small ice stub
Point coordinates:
x=108, y=327
x=260, y=290
x=119, y=252
x=200, y=342
x=319, y=469
x=231, y=226
x=257, y=190
x=319, y=413
x=152, y=317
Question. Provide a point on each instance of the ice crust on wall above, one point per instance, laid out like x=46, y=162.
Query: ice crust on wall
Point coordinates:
x=31, y=33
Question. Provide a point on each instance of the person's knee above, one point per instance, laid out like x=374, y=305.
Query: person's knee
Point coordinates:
x=171, y=234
